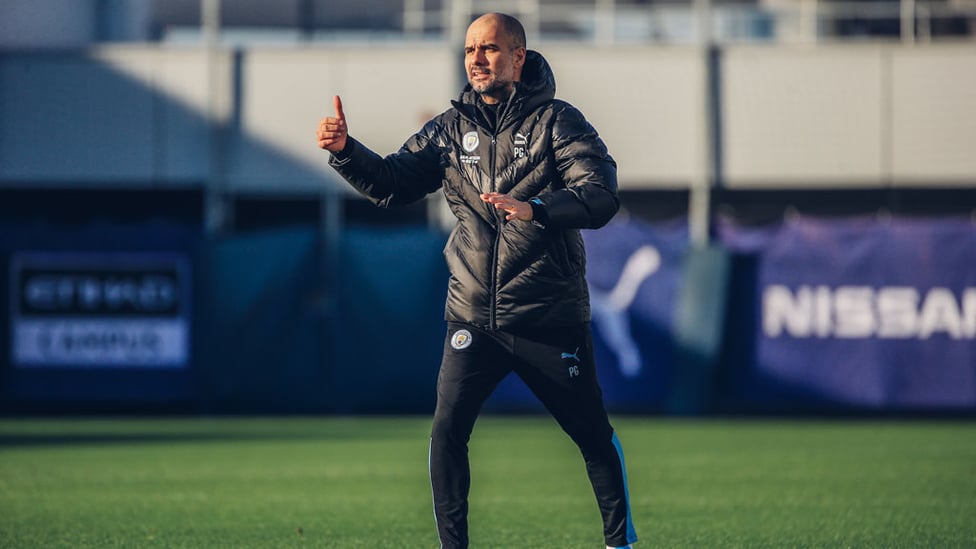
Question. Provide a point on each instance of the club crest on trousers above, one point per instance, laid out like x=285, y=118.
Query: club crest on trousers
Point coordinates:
x=461, y=339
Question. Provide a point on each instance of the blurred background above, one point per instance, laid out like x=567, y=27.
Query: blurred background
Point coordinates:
x=797, y=178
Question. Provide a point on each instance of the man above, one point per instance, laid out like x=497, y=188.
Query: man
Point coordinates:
x=523, y=173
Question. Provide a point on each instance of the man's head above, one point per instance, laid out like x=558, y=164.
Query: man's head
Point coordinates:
x=494, y=53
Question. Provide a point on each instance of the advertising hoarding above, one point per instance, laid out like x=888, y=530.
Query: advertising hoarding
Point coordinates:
x=99, y=310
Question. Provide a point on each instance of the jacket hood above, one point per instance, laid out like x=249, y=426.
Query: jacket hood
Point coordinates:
x=537, y=86
x=537, y=77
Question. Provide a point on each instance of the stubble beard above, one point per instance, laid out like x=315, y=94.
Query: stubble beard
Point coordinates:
x=496, y=89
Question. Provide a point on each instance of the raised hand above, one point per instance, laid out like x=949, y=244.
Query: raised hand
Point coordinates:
x=332, y=132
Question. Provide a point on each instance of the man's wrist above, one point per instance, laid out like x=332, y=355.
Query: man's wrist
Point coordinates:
x=345, y=152
x=539, y=216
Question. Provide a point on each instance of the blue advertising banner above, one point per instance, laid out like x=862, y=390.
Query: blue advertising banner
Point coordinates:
x=97, y=317
x=634, y=272
x=860, y=312
x=100, y=310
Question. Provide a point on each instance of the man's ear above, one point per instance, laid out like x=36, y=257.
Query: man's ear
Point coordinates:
x=519, y=60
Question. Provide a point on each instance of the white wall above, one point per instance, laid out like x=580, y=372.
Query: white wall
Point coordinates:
x=135, y=116
x=803, y=115
x=387, y=95
x=646, y=103
x=933, y=115
x=109, y=116
x=851, y=115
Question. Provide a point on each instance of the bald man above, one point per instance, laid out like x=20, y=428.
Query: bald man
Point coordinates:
x=522, y=172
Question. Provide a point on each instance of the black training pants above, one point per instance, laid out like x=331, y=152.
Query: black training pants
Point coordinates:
x=559, y=368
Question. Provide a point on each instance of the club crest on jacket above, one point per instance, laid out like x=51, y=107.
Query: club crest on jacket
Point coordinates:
x=470, y=141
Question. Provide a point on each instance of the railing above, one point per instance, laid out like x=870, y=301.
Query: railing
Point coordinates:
x=609, y=22
x=598, y=22
x=614, y=22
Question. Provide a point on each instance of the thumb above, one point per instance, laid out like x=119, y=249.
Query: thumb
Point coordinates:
x=337, y=104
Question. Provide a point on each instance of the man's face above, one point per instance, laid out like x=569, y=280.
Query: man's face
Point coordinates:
x=490, y=61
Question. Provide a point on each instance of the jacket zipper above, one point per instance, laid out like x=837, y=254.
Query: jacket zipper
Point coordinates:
x=498, y=236
x=493, y=306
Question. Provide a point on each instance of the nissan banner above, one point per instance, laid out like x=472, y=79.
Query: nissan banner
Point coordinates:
x=865, y=312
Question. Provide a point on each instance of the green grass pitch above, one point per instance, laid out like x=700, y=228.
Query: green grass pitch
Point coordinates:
x=362, y=483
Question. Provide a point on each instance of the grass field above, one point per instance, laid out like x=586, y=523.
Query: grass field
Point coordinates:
x=362, y=483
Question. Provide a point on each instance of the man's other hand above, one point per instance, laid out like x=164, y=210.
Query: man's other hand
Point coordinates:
x=516, y=209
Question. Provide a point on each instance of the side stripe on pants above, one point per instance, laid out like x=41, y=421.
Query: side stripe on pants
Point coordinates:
x=631, y=532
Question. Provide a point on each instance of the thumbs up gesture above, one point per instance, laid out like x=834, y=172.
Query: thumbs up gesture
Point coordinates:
x=332, y=132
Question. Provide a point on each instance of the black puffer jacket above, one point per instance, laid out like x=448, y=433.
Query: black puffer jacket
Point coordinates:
x=507, y=275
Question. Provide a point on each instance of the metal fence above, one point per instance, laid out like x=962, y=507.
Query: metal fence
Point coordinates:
x=27, y=24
